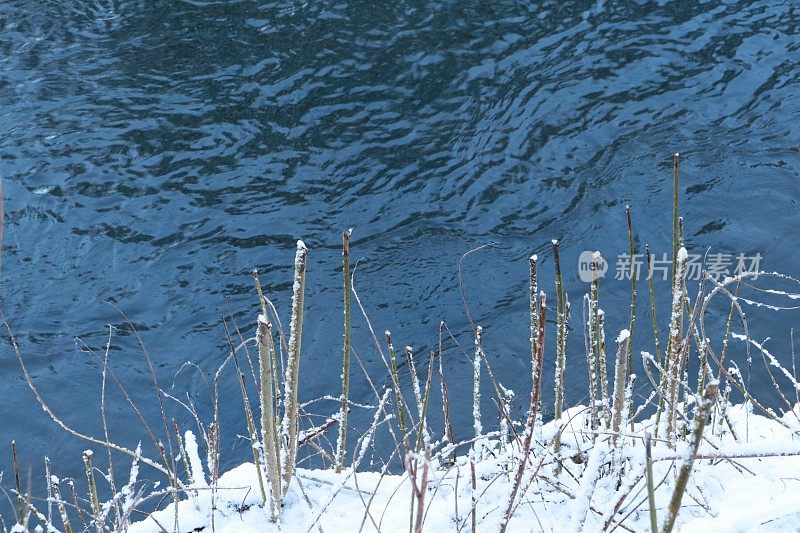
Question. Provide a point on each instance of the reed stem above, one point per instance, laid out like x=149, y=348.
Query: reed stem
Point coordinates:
x=560, y=346
x=539, y=309
x=346, y=282
x=290, y=420
x=701, y=415
x=674, y=356
x=675, y=239
x=620, y=379
x=20, y=499
x=651, y=492
x=398, y=395
x=633, y=273
x=55, y=486
x=93, y=499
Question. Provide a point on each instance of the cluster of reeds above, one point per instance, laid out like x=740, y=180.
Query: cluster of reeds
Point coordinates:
x=274, y=444
x=533, y=452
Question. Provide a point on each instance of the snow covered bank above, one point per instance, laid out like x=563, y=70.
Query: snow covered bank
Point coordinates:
x=746, y=478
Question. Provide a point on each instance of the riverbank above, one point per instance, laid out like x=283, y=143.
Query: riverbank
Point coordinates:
x=746, y=478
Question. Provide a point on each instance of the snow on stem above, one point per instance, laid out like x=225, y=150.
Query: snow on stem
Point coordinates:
x=620, y=376
x=591, y=365
x=476, y=452
x=634, y=274
x=448, y=426
x=534, y=305
x=651, y=491
x=701, y=415
x=97, y=512
x=55, y=487
x=269, y=431
x=675, y=231
x=562, y=312
x=601, y=362
x=289, y=426
x=412, y=367
x=342, y=441
x=674, y=352
x=476, y=390
x=540, y=310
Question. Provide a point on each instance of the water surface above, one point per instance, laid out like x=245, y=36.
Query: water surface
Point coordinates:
x=153, y=153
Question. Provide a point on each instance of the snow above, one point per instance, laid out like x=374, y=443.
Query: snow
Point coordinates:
x=756, y=489
x=195, y=465
x=476, y=391
x=623, y=335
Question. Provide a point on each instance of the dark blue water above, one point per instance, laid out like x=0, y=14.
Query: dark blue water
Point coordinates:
x=153, y=153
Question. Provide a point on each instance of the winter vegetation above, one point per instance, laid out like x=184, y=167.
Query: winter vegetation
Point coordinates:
x=699, y=452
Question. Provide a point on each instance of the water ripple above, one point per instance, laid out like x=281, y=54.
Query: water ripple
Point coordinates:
x=153, y=153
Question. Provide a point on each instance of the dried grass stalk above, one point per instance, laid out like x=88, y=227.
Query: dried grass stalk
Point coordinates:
x=561, y=345
x=675, y=352
x=701, y=415
x=290, y=418
x=620, y=378
x=269, y=430
x=346, y=282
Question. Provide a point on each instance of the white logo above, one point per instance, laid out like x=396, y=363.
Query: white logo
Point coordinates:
x=591, y=266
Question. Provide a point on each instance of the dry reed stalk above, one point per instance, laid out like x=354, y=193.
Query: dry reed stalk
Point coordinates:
x=476, y=452
x=421, y=491
x=601, y=362
x=620, y=378
x=423, y=436
x=536, y=334
x=561, y=335
x=269, y=431
x=290, y=423
x=448, y=426
x=17, y=485
x=266, y=307
x=412, y=367
x=97, y=512
x=591, y=364
x=701, y=415
x=182, y=451
x=651, y=492
x=675, y=352
x=398, y=394
x=50, y=499
x=634, y=274
x=597, y=359
x=675, y=231
x=256, y=444
x=55, y=486
x=538, y=315
x=346, y=347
